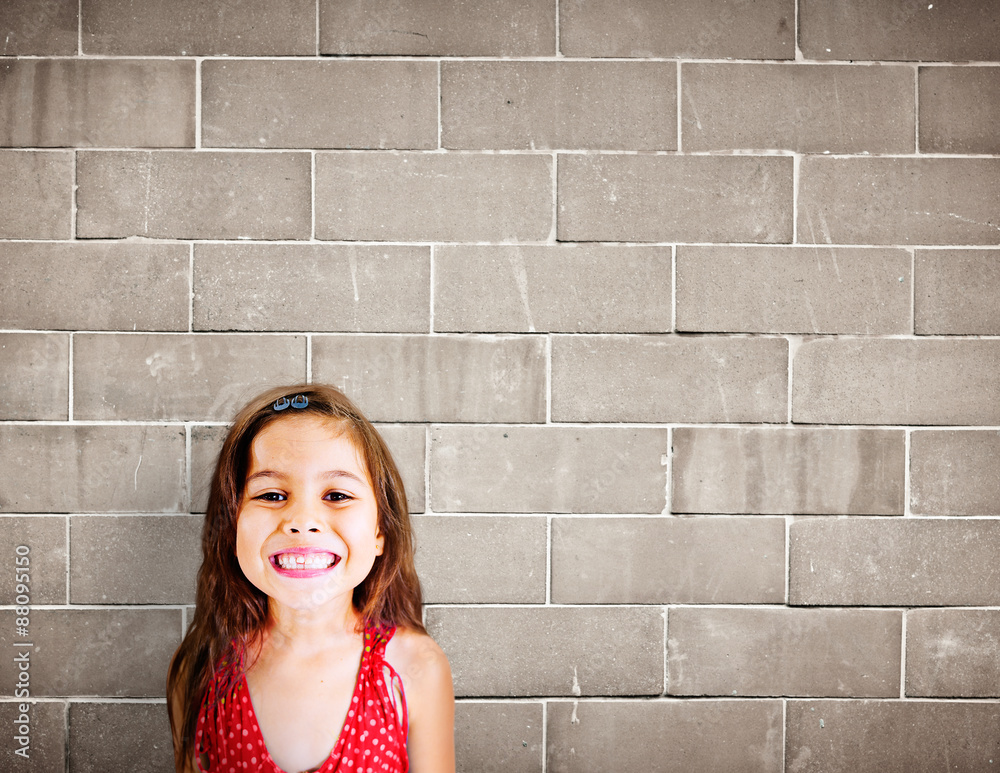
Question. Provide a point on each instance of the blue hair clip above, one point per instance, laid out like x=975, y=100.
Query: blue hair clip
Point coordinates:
x=299, y=401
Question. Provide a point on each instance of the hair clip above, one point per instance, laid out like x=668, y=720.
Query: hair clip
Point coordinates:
x=299, y=401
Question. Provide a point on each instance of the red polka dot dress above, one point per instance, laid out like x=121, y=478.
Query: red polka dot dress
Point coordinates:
x=372, y=740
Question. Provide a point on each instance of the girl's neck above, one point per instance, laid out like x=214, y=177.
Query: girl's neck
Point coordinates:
x=310, y=630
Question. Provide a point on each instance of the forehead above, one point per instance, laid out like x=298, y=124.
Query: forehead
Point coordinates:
x=305, y=441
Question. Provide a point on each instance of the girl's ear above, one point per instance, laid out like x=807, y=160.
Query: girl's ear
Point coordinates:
x=379, y=541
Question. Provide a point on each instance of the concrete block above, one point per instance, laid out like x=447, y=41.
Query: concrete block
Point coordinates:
x=788, y=471
x=481, y=559
x=668, y=560
x=431, y=197
x=894, y=562
x=329, y=287
x=648, y=198
x=669, y=378
x=793, y=290
x=91, y=468
x=34, y=376
x=954, y=472
x=548, y=469
x=83, y=286
x=319, y=104
x=119, y=103
x=438, y=28
x=586, y=288
x=827, y=108
x=527, y=651
x=957, y=292
x=899, y=200
x=835, y=653
x=194, y=195
x=896, y=381
x=688, y=29
x=179, y=377
x=448, y=378
x=192, y=27
x=559, y=105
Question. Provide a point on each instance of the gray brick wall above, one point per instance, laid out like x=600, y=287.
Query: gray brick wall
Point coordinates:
x=680, y=317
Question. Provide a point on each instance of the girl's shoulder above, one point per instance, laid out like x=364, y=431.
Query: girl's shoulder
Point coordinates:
x=430, y=700
x=418, y=660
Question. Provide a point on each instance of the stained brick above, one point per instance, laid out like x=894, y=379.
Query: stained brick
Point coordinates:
x=319, y=104
x=812, y=652
x=34, y=376
x=954, y=472
x=81, y=468
x=178, y=377
x=193, y=27
x=959, y=109
x=451, y=378
x=36, y=29
x=119, y=736
x=578, y=288
x=109, y=561
x=890, y=736
x=538, y=105
x=675, y=198
x=311, y=287
x=669, y=379
x=498, y=737
x=193, y=195
x=46, y=734
x=953, y=653
x=406, y=443
x=81, y=285
x=711, y=29
x=835, y=108
x=778, y=470
x=899, y=200
x=432, y=197
x=793, y=290
x=35, y=201
x=440, y=28
x=481, y=559
x=896, y=381
x=957, y=292
x=86, y=103
x=668, y=560
x=45, y=539
x=547, y=469
x=900, y=30
x=570, y=651
x=664, y=735
x=878, y=562
x=85, y=652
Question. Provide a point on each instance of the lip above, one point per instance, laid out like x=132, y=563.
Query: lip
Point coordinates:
x=303, y=551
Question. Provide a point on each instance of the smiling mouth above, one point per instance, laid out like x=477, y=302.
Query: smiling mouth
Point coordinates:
x=294, y=561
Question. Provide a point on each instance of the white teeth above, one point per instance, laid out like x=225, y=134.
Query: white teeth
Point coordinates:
x=300, y=561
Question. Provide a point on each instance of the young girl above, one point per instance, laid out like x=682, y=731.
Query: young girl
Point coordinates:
x=307, y=651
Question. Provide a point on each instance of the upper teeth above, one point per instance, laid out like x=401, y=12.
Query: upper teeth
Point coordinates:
x=302, y=561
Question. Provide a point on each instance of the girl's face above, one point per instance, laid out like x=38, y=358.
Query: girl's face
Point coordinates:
x=307, y=530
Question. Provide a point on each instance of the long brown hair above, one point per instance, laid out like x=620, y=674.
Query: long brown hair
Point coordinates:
x=230, y=612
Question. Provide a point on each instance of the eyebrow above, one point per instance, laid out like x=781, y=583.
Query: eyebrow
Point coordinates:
x=328, y=474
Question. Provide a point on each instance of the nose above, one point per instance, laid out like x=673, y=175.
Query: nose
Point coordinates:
x=301, y=517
